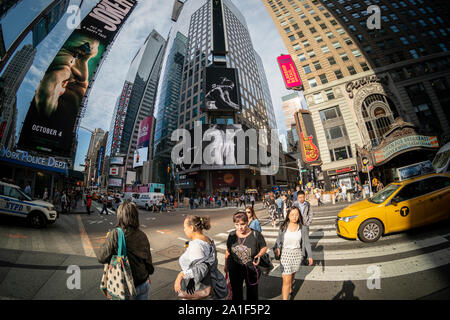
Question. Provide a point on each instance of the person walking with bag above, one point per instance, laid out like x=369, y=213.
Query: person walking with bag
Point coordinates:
x=242, y=258
x=200, y=277
x=137, y=248
x=88, y=204
x=292, y=244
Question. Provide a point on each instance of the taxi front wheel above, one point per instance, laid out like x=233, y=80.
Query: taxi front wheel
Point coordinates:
x=370, y=230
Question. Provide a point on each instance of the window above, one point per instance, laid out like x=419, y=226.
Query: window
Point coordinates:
x=296, y=47
x=330, y=114
x=330, y=35
x=313, y=30
x=356, y=53
x=307, y=69
x=330, y=94
x=301, y=57
x=343, y=56
x=352, y=70
x=318, y=39
x=292, y=37
x=325, y=49
x=318, y=98
x=317, y=65
x=341, y=153
x=409, y=191
x=337, y=45
x=348, y=41
x=335, y=132
x=311, y=54
x=312, y=82
x=339, y=74
x=364, y=66
x=305, y=43
x=331, y=60
x=323, y=78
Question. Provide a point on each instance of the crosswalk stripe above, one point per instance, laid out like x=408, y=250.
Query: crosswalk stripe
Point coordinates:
x=388, y=269
x=325, y=218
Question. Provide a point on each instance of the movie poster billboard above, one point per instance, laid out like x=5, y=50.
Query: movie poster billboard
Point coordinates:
x=289, y=72
x=222, y=90
x=145, y=130
x=49, y=125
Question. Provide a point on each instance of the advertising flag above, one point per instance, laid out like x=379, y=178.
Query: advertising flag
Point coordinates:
x=49, y=125
x=289, y=72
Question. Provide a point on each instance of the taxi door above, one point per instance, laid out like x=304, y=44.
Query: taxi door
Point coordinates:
x=436, y=200
x=405, y=207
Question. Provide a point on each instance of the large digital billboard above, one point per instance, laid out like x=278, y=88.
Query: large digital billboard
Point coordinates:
x=289, y=72
x=140, y=156
x=222, y=90
x=50, y=122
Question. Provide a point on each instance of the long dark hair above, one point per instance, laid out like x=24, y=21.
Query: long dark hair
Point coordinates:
x=286, y=221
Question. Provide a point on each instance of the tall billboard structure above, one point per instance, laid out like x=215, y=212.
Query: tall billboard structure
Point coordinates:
x=50, y=122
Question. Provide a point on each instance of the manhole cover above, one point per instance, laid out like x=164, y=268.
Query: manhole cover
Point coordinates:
x=172, y=252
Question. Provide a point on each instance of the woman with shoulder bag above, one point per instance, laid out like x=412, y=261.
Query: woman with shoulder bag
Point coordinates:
x=199, y=278
x=137, y=248
x=252, y=219
x=292, y=243
x=243, y=257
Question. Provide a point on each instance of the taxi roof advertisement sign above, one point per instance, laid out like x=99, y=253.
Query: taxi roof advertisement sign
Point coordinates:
x=289, y=72
x=57, y=104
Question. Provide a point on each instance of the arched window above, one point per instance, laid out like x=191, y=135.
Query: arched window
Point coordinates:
x=379, y=113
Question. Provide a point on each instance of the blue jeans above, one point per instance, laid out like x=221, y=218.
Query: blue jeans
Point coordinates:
x=142, y=291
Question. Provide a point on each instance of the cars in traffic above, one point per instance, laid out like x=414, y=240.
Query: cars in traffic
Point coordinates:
x=14, y=202
x=400, y=206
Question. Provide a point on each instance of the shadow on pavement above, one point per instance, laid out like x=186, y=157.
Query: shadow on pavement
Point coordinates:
x=347, y=292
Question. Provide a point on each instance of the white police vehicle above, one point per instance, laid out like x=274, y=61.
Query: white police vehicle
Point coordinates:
x=14, y=202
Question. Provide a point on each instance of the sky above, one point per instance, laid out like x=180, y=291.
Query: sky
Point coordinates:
x=148, y=15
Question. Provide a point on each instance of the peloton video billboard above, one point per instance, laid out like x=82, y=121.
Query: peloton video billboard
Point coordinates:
x=222, y=90
x=50, y=122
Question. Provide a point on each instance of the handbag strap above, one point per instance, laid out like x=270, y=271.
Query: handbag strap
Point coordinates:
x=122, y=247
x=257, y=275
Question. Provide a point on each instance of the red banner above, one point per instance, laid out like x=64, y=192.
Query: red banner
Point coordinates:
x=289, y=72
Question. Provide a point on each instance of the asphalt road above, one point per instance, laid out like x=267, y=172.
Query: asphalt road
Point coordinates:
x=410, y=265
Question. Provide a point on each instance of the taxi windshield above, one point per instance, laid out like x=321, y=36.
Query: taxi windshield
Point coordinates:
x=385, y=193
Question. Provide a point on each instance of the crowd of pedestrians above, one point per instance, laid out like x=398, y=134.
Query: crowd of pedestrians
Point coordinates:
x=246, y=257
x=219, y=201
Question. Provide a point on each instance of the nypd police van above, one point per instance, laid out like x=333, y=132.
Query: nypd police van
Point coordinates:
x=14, y=202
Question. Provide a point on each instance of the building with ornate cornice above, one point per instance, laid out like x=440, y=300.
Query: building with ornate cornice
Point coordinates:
x=358, y=79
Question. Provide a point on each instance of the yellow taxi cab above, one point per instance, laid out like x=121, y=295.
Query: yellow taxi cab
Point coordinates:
x=398, y=207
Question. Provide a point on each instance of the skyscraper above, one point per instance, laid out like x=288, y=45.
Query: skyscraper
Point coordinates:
x=92, y=155
x=143, y=94
x=255, y=96
x=167, y=113
x=362, y=82
x=12, y=78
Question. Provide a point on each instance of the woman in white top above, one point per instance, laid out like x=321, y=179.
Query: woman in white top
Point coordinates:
x=200, y=258
x=292, y=243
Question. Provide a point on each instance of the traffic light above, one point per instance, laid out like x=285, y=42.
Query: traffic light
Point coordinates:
x=168, y=169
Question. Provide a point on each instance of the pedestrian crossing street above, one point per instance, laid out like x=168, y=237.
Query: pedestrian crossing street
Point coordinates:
x=338, y=259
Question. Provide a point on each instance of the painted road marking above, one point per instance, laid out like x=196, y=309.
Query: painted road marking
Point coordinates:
x=86, y=243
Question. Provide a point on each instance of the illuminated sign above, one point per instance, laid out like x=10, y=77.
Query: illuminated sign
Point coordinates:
x=289, y=72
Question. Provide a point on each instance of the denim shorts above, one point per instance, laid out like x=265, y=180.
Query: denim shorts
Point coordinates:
x=142, y=291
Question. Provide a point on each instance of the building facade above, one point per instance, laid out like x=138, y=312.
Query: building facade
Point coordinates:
x=257, y=110
x=143, y=94
x=359, y=80
x=11, y=80
x=90, y=169
x=167, y=114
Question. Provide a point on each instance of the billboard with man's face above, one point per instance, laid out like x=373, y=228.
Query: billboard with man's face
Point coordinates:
x=51, y=118
x=222, y=90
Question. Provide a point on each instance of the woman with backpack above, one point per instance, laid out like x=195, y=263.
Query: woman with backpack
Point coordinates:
x=137, y=248
x=200, y=277
x=291, y=246
x=244, y=250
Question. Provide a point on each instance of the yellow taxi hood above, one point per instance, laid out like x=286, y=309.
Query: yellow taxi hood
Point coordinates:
x=356, y=208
